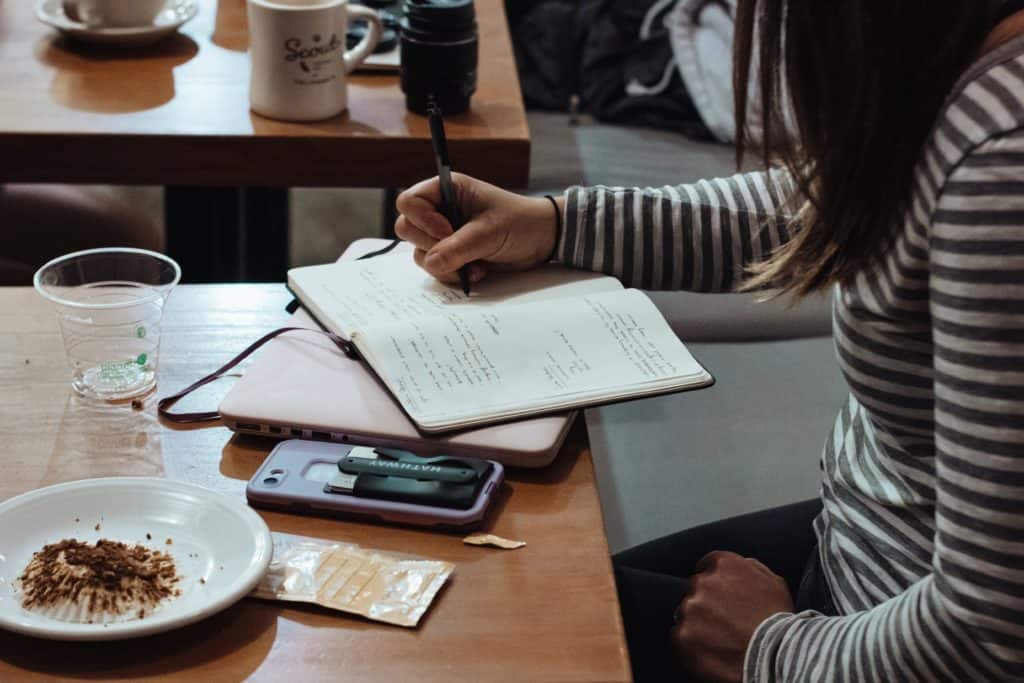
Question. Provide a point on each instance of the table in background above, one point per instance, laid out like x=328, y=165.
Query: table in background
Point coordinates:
x=545, y=612
x=177, y=114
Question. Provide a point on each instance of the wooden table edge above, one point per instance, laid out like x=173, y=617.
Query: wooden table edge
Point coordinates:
x=371, y=161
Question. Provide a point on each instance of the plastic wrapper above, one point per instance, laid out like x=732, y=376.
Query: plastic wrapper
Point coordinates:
x=346, y=577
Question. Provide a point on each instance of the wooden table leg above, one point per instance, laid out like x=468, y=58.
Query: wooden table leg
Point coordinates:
x=228, y=234
x=265, y=237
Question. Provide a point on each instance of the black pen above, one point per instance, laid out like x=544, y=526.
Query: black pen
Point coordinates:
x=449, y=202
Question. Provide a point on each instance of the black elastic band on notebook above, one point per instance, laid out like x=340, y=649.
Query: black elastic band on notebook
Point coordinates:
x=295, y=304
x=381, y=251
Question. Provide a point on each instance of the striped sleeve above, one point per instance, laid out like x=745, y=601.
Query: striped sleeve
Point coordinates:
x=965, y=620
x=697, y=237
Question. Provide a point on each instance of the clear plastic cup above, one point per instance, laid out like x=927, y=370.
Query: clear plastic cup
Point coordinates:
x=109, y=306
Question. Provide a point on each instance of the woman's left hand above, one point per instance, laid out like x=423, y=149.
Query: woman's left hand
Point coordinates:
x=728, y=599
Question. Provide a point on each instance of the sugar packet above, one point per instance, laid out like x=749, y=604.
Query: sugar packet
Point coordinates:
x=346, y=577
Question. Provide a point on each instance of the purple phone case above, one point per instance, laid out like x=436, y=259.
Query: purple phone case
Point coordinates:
x=293, y=492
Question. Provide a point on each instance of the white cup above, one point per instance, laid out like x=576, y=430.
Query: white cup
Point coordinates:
x=299, y=62
x=114, y=13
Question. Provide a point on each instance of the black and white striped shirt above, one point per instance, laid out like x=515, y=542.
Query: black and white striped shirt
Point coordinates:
x=922, y=532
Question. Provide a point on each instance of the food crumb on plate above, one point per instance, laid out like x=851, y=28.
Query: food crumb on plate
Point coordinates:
x=108, y=578
x=169, y=541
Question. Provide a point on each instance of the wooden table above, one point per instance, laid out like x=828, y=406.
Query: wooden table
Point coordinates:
x=545, y=612
x=177, y=114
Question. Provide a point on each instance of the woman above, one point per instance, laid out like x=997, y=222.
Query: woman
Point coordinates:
x=905, y=194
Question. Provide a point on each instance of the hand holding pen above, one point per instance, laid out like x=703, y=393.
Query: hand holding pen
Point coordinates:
x=500, y=230
x=449, y=201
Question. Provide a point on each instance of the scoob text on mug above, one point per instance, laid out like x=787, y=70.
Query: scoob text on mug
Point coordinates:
x=312, y=58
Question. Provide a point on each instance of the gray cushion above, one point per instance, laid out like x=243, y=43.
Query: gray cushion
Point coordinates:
x=742, y=317
x=592, y=153
x=750, y=442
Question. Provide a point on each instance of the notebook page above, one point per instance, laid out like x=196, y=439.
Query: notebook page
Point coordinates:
x=464, y=365
x=352, y=295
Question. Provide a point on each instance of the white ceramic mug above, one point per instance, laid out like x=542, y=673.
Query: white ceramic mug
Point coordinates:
x=113, y=13
x=299, y=61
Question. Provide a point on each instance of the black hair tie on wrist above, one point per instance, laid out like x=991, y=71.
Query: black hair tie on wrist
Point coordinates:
x=558, y=225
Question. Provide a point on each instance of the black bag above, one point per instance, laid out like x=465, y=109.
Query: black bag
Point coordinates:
x=592, y=48
x=634, y=80
x=547, y=36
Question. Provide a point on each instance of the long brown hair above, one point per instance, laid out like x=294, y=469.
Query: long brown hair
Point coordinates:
x=865, y=81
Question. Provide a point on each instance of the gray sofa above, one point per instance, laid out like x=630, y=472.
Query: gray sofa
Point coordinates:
x=750, y=442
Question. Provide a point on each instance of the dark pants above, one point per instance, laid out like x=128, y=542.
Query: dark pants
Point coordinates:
x=652, y=578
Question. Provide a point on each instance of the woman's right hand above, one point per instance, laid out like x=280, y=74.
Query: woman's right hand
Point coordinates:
x=502, y=231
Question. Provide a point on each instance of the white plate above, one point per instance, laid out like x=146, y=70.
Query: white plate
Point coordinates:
x=170, y=19
x=215, y=538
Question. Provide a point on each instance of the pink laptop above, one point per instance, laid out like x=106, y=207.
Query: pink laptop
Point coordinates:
x=302, y=386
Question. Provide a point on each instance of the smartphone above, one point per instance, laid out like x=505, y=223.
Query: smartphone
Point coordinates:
x=304, y=477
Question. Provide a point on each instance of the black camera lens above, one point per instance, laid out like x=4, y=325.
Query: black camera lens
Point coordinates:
x=271, y=481
x=439, y=54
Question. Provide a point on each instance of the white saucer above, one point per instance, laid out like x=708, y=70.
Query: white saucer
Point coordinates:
x=170, y=19
x=221, y=547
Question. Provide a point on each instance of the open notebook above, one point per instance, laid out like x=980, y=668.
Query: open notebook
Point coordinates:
x=521, y=344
